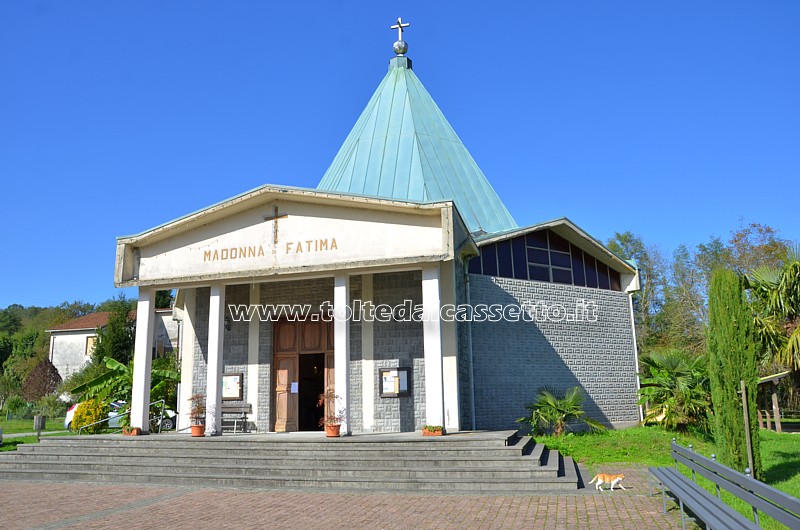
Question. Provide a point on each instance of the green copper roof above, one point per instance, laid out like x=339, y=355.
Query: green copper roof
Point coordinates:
x=402, y=147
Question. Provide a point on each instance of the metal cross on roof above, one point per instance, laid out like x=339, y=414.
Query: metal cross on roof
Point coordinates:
x=399, y=27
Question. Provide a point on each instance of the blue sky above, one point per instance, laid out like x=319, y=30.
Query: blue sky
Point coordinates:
x=675, y=120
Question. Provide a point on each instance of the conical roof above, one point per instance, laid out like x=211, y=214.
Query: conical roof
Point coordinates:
x=402, y=147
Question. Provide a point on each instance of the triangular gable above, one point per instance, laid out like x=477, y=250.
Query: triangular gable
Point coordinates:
x=315, y=231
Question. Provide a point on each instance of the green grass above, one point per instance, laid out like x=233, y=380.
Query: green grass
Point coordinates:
x=11, y=444
x=649, y=446
x=17, y=426
x=641, y=445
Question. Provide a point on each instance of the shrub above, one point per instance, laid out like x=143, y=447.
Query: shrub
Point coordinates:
x=553, y=411
x=675, y=389
x=43, y=380
x=89, y=412
x=18, y=407
x=52, y=407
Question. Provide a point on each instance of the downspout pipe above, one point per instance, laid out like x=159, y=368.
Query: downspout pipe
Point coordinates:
x=469, y=353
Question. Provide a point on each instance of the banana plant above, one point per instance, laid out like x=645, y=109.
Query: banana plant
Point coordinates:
x=117, y=383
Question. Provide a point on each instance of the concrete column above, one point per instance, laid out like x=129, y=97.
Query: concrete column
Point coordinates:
x=188, y=339
x=341, y=347
x=432, y=341
x=252, y=355
x=447, y=288
x=216, y=332
x=367, y=358
x=142, y=359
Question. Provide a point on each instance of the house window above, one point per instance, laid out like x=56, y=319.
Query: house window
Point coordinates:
x=91, y=342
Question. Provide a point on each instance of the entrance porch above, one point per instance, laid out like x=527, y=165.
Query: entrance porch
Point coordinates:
x=274, y=340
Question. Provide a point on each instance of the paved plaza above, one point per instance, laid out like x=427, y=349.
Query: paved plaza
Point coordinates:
x=53, y=505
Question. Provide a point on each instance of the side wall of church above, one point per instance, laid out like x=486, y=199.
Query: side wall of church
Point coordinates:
x=399, y=344
x=513, y=359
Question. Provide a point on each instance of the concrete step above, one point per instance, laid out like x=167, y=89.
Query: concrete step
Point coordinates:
x=339, y=483
x=282, y=470
x=205, y=451
x=527, y=462
x=275, y=441
x=498, y=464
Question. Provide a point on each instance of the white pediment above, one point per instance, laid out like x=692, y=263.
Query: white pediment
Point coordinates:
x=245, y=239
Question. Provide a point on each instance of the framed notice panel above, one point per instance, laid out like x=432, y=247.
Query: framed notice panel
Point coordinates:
x=394, y=382
x=232, y=387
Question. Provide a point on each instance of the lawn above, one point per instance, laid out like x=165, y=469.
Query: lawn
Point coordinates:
x=11, y=444
x=641, y=445
x=649, y=446
x=17, y=426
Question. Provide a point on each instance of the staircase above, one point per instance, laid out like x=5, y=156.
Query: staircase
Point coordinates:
x=484, y=462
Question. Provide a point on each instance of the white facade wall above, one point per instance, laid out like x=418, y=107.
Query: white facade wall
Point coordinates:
x=68, y=350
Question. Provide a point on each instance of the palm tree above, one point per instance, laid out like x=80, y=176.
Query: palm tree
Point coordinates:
x=675, y=389
x=554, y=411
x=775, y=297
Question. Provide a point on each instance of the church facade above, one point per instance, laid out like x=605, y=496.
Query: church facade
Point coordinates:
x=401, y=284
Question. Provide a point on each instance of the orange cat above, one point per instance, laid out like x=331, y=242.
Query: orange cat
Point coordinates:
x=608, y=479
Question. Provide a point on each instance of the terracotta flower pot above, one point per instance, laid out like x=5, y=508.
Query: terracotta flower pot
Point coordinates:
x=332, y=431
x=131, y=431
x=426, y=432
x=198, y=430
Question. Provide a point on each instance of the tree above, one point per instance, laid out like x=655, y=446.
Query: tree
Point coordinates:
x=42, y=381
x=553, y=411
x=11, y=319
x=775, y=297
x=163, y=299
x=675, y=389
x=732, y=357
x=26, y=352
x=116, y=339
x=754, y=246
x=682, y=315
x=648, y=300
x=6, y=347
x=9, y=387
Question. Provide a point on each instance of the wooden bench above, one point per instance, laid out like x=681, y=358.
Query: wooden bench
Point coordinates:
x=234, y=414
x=712, y=510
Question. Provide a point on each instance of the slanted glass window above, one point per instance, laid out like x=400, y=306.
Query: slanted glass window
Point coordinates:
x=547, y=257
x=616, y=284
x=578, y=274
x=489, y=260
x=560, y=259
x=538, y=256
x=591, y=271
x=562, y=275
x=475, y=265
x=505, y=268
x=520, y=263
x=539, y=273
x=537, y=239
x=557, y=242
x=602, y=276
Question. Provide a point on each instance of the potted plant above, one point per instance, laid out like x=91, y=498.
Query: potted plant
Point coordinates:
x=332, y=417
x=197, y=413
x=432, y=430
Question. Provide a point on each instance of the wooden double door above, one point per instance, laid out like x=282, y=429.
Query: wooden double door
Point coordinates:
x=303, y=362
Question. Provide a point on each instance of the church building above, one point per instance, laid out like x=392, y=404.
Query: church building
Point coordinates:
x=401, y=283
